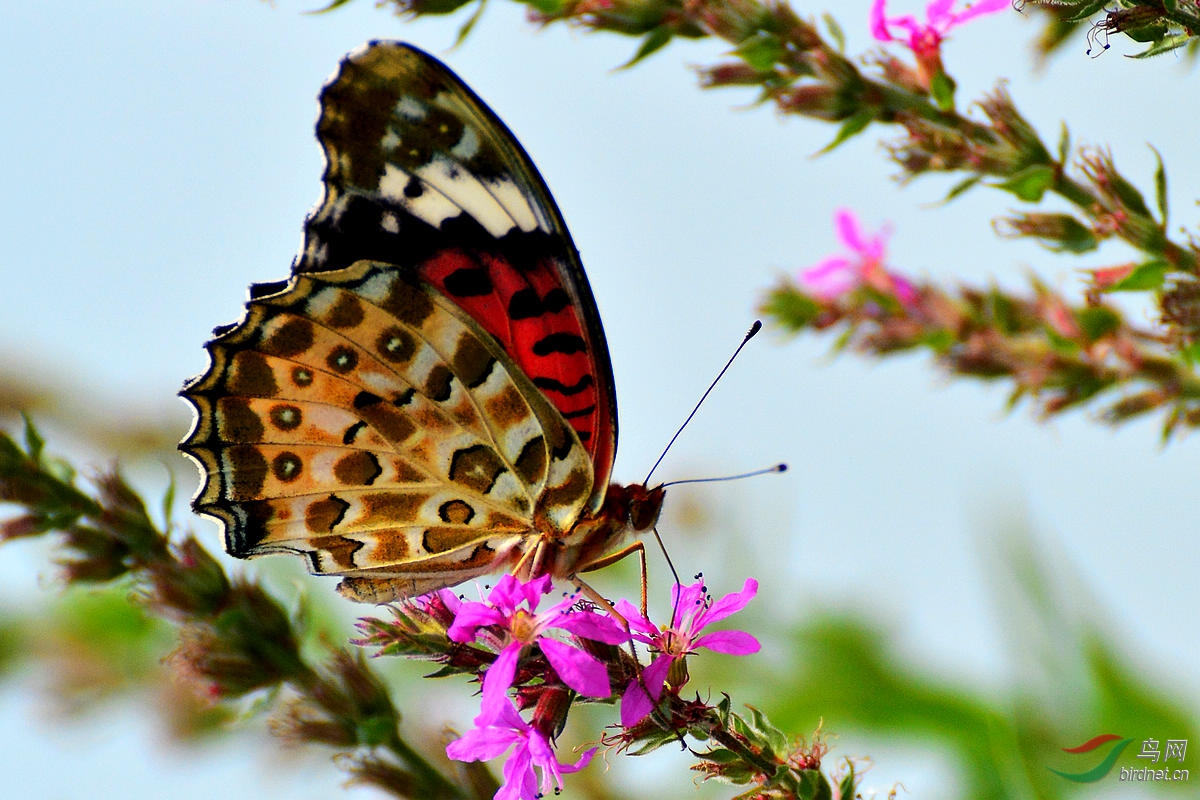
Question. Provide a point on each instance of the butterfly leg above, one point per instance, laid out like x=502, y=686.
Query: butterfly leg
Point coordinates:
x=529, y=565
x=588, y=591
x=613, y=558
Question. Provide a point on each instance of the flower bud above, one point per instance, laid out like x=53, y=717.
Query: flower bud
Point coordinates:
x=1059, y=231
x=735, y=73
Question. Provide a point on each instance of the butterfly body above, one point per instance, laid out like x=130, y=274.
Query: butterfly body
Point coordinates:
x=429, y=398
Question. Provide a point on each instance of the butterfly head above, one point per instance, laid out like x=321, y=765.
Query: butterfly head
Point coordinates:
x=638, y=505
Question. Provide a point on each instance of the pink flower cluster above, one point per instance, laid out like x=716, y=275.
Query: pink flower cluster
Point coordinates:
x=508, y=623
x=837, y=276
x=925, y=38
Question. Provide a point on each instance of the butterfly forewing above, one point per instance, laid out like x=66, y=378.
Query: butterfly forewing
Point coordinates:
x=421, y=173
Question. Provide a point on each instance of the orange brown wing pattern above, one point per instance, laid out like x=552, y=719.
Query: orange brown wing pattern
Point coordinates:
x=359, y=418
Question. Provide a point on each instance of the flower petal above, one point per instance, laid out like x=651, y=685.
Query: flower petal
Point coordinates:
x=937, y=12
x=499, y=676
x=636, y=705
x=580, y=763
x=977, y=10
x=831, y=278
x=507, y=594
x=481, y=744
x=535, y=590
x=582, y=671
x=849, y=230
x=470, y=617
x=729, y=604
x=519, y=781
x=734, y=643
x=686, y=600
x=879, y=27
x=497, y=710
x=634, y=617
x=588, y=625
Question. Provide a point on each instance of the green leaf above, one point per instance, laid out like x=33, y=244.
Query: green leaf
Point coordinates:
x=653, y=741
x=762, y=50
x=469, y=25
x=720, y=756
x=941, y=87
x=548, y=7
x=1150, y=275
x=815, y=786
x=1192, y=352
x=723, y=707
x=655, y=40
x=852, y=126
x=774, y=737
x=961, y=187
x=835, y=31
x=1164, y=45
x=791, y=308
x=940, y=341
x=333, y=5
x=1097, y=321
x=1152, y=31
x=1160, y=187
x=1064, y=144
x=1030, y=183
x=1086, y=10
x=34, y=443
x=1003, y=313
x=846, y=786
x=168, y=504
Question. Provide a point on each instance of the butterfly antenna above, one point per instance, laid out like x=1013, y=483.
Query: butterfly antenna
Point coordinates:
x=738, y=477
x=755, y=328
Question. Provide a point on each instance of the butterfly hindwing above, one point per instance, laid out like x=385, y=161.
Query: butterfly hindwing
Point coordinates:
x=362, y=419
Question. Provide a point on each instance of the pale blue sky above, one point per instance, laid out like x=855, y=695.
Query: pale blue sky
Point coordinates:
x=160, y=157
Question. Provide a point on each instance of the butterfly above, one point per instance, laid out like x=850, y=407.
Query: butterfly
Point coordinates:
x=429, y=397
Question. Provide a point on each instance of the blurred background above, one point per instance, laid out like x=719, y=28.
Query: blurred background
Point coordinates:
x=931, y=564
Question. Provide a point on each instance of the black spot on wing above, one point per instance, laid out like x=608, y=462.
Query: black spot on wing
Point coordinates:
x=365, y=399
x=582, y=412
x=525, y=303
x=260, y=290
x=552, y=385
x=352, y=432
x=565, y=343
x=253, y=519
x=469, y=282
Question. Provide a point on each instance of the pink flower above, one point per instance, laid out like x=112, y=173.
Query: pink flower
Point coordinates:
x=925, y=39
x=694, y=609
x=499, y=727
x=839, y=275
x=510, y=608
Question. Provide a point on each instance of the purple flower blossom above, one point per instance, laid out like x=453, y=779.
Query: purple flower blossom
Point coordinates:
x=497, y=728
x=693, y=611
x=510, y=606
x=925, y=39
x=839, y=275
